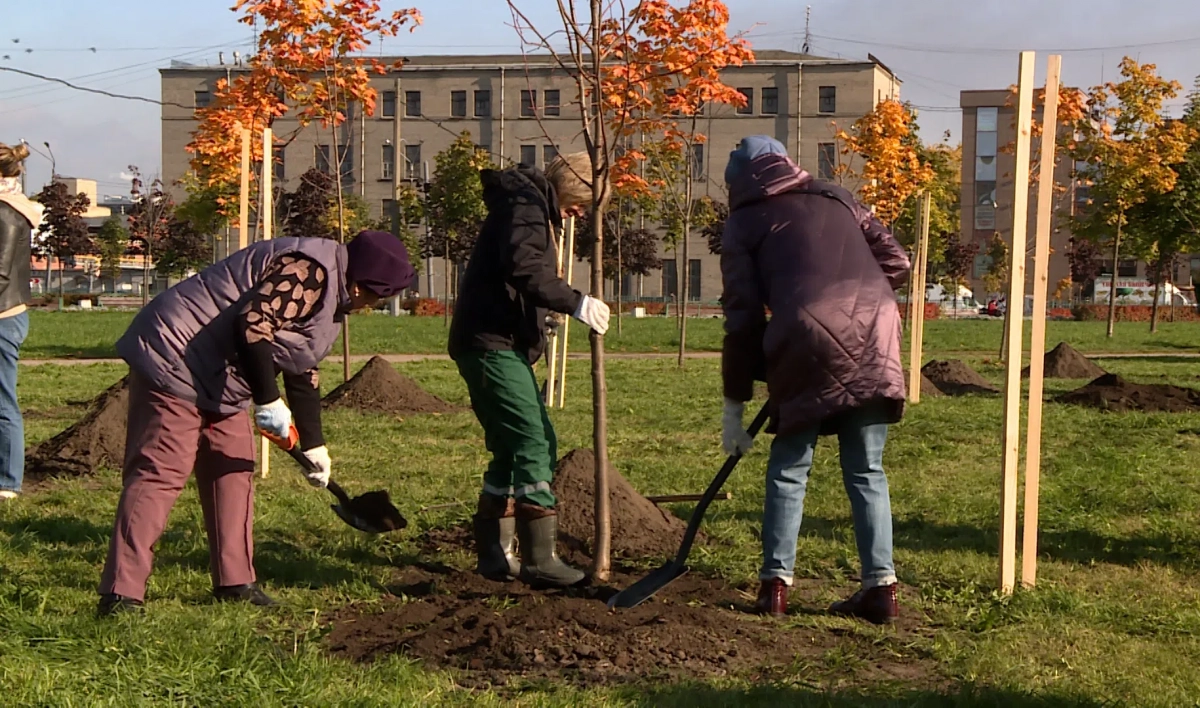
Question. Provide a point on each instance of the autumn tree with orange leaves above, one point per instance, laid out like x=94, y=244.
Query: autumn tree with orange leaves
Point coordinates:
x=1127, y=147
x=891, y=171
x=625, y=65
x=308, y=62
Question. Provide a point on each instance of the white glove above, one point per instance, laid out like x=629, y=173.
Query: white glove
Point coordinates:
x=319, y=456
x=734, y=437
x=274, y=418
x=593, y=313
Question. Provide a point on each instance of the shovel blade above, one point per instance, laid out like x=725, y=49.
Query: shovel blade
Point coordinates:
x=645, y=588
x=355, y=521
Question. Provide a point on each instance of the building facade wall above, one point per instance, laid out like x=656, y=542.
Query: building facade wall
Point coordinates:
x=799, y=100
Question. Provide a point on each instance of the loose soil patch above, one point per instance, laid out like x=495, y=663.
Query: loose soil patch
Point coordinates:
x=928, y=388
x=492, y=633
x=379, y=388
x=955, y=378
x=97, y=440
x=1064, y=362
x=640, y=530
x=1113, y=393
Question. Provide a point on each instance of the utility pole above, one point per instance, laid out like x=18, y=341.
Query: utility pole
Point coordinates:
x=807, y=29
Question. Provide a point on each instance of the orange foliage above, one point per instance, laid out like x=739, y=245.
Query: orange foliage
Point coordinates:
x=1072, y=107
x=892, y=170
x=663, y=64
x=303, y=59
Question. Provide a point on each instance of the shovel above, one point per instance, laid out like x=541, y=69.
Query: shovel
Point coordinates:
x=372, y=512
x=645, y=588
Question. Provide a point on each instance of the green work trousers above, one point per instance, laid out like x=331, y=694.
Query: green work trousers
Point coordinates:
x=516, y=428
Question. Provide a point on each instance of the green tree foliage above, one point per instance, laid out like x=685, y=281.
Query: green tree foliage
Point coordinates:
x=454, y=204
x=112, y=243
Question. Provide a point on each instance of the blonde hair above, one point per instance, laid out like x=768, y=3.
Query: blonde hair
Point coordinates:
x=571, y=177
x=11, y=157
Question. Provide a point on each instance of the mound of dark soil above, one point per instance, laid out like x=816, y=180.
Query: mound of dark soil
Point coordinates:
x=379, y=388
x=1113, y=393
x=96, y=440
x=928, y=388
x=639, y=528
x=1064, y=362
x=955, y=378
x=492, y=633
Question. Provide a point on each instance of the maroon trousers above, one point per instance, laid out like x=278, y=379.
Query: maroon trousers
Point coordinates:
x=167, y=439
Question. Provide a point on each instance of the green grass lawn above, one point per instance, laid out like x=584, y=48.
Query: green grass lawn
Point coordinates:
x=88, y=335
x=1115, y=619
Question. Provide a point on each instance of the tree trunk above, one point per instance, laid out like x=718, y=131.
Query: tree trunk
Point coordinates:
x=686, y=278
x=446, y=277
x=619, y=291
x=1154, y=307
x=337, y=159
x=599, y=149
x=1112, y=290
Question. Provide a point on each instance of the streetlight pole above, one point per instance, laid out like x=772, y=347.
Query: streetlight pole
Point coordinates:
x=53, y=180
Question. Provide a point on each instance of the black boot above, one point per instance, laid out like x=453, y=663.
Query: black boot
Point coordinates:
x=113, y=604
x=496, y=538
x=537, y=531
x=244, y=593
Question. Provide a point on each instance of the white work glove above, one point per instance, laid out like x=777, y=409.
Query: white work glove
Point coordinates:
x=734, y=437
x=319, y=477
x=593, y=313
x=274, y=418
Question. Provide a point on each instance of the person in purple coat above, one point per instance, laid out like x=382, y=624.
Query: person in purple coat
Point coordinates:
x=199, y=356
x=826, y=269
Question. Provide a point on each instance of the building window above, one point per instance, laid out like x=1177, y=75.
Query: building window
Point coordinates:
x=827, y=102
x=322, y=158
x=412, y=160
x=528, y=104
x=550, y=102
x=694, y=280
x=202, y=99
x=346, y=160
x=389, y=104
x=770, y=101
x=698, y=162
x=549, y=152
x=389, y=163
x=412, y=104
x=483, y=104
x=670, y=284
x=458, y=104
x=529, y=155
x=277, y=156
x=826, y=160
x=747, y=109
x=387, y=209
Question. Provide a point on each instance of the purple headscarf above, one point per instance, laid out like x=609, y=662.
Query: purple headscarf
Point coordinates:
x=378, y=261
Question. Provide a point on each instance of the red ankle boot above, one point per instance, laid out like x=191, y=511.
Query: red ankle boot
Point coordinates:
x=772, y=598
x=877, y=605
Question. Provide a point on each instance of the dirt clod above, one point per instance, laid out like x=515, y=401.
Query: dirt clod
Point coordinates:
x=1113, y=393
x=928, y=388
x=640, y=530
x=97, y=440
x=379, y=388
x=694, y=628
x=955, y=378
x=1064, y=362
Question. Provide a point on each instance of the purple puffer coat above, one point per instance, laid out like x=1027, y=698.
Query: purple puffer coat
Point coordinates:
x=827, y=270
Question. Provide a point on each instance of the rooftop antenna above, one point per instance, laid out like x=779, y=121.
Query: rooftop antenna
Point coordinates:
x=807, y=29
x=237, y=58
x=221, y=58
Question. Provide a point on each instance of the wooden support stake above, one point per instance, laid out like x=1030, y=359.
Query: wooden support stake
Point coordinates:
x=552, y=344
x=668, y=498
x=244, y=197
x=569, y=266
x=1037, y=339
x=266, y=196
x=916, y=298
x=924, y=278
x=1014, y=315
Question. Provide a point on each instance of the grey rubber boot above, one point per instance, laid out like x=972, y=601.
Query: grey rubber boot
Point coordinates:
x=496, y=538
x=537, y=532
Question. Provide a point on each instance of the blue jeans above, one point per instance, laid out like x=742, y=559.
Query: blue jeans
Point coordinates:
x=13, y=331
x=861, y=440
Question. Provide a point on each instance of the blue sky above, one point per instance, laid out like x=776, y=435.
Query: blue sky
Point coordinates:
x=937, y=47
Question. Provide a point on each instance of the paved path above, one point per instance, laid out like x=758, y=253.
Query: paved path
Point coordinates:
x=410, y=358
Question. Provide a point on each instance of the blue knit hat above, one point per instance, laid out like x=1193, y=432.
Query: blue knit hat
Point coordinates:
x=747, y=150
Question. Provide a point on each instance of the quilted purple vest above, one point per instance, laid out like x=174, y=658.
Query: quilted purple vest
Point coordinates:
x=182, y=342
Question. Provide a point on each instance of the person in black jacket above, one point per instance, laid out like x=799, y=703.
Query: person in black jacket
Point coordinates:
x=18, y=216
x=510, y=285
